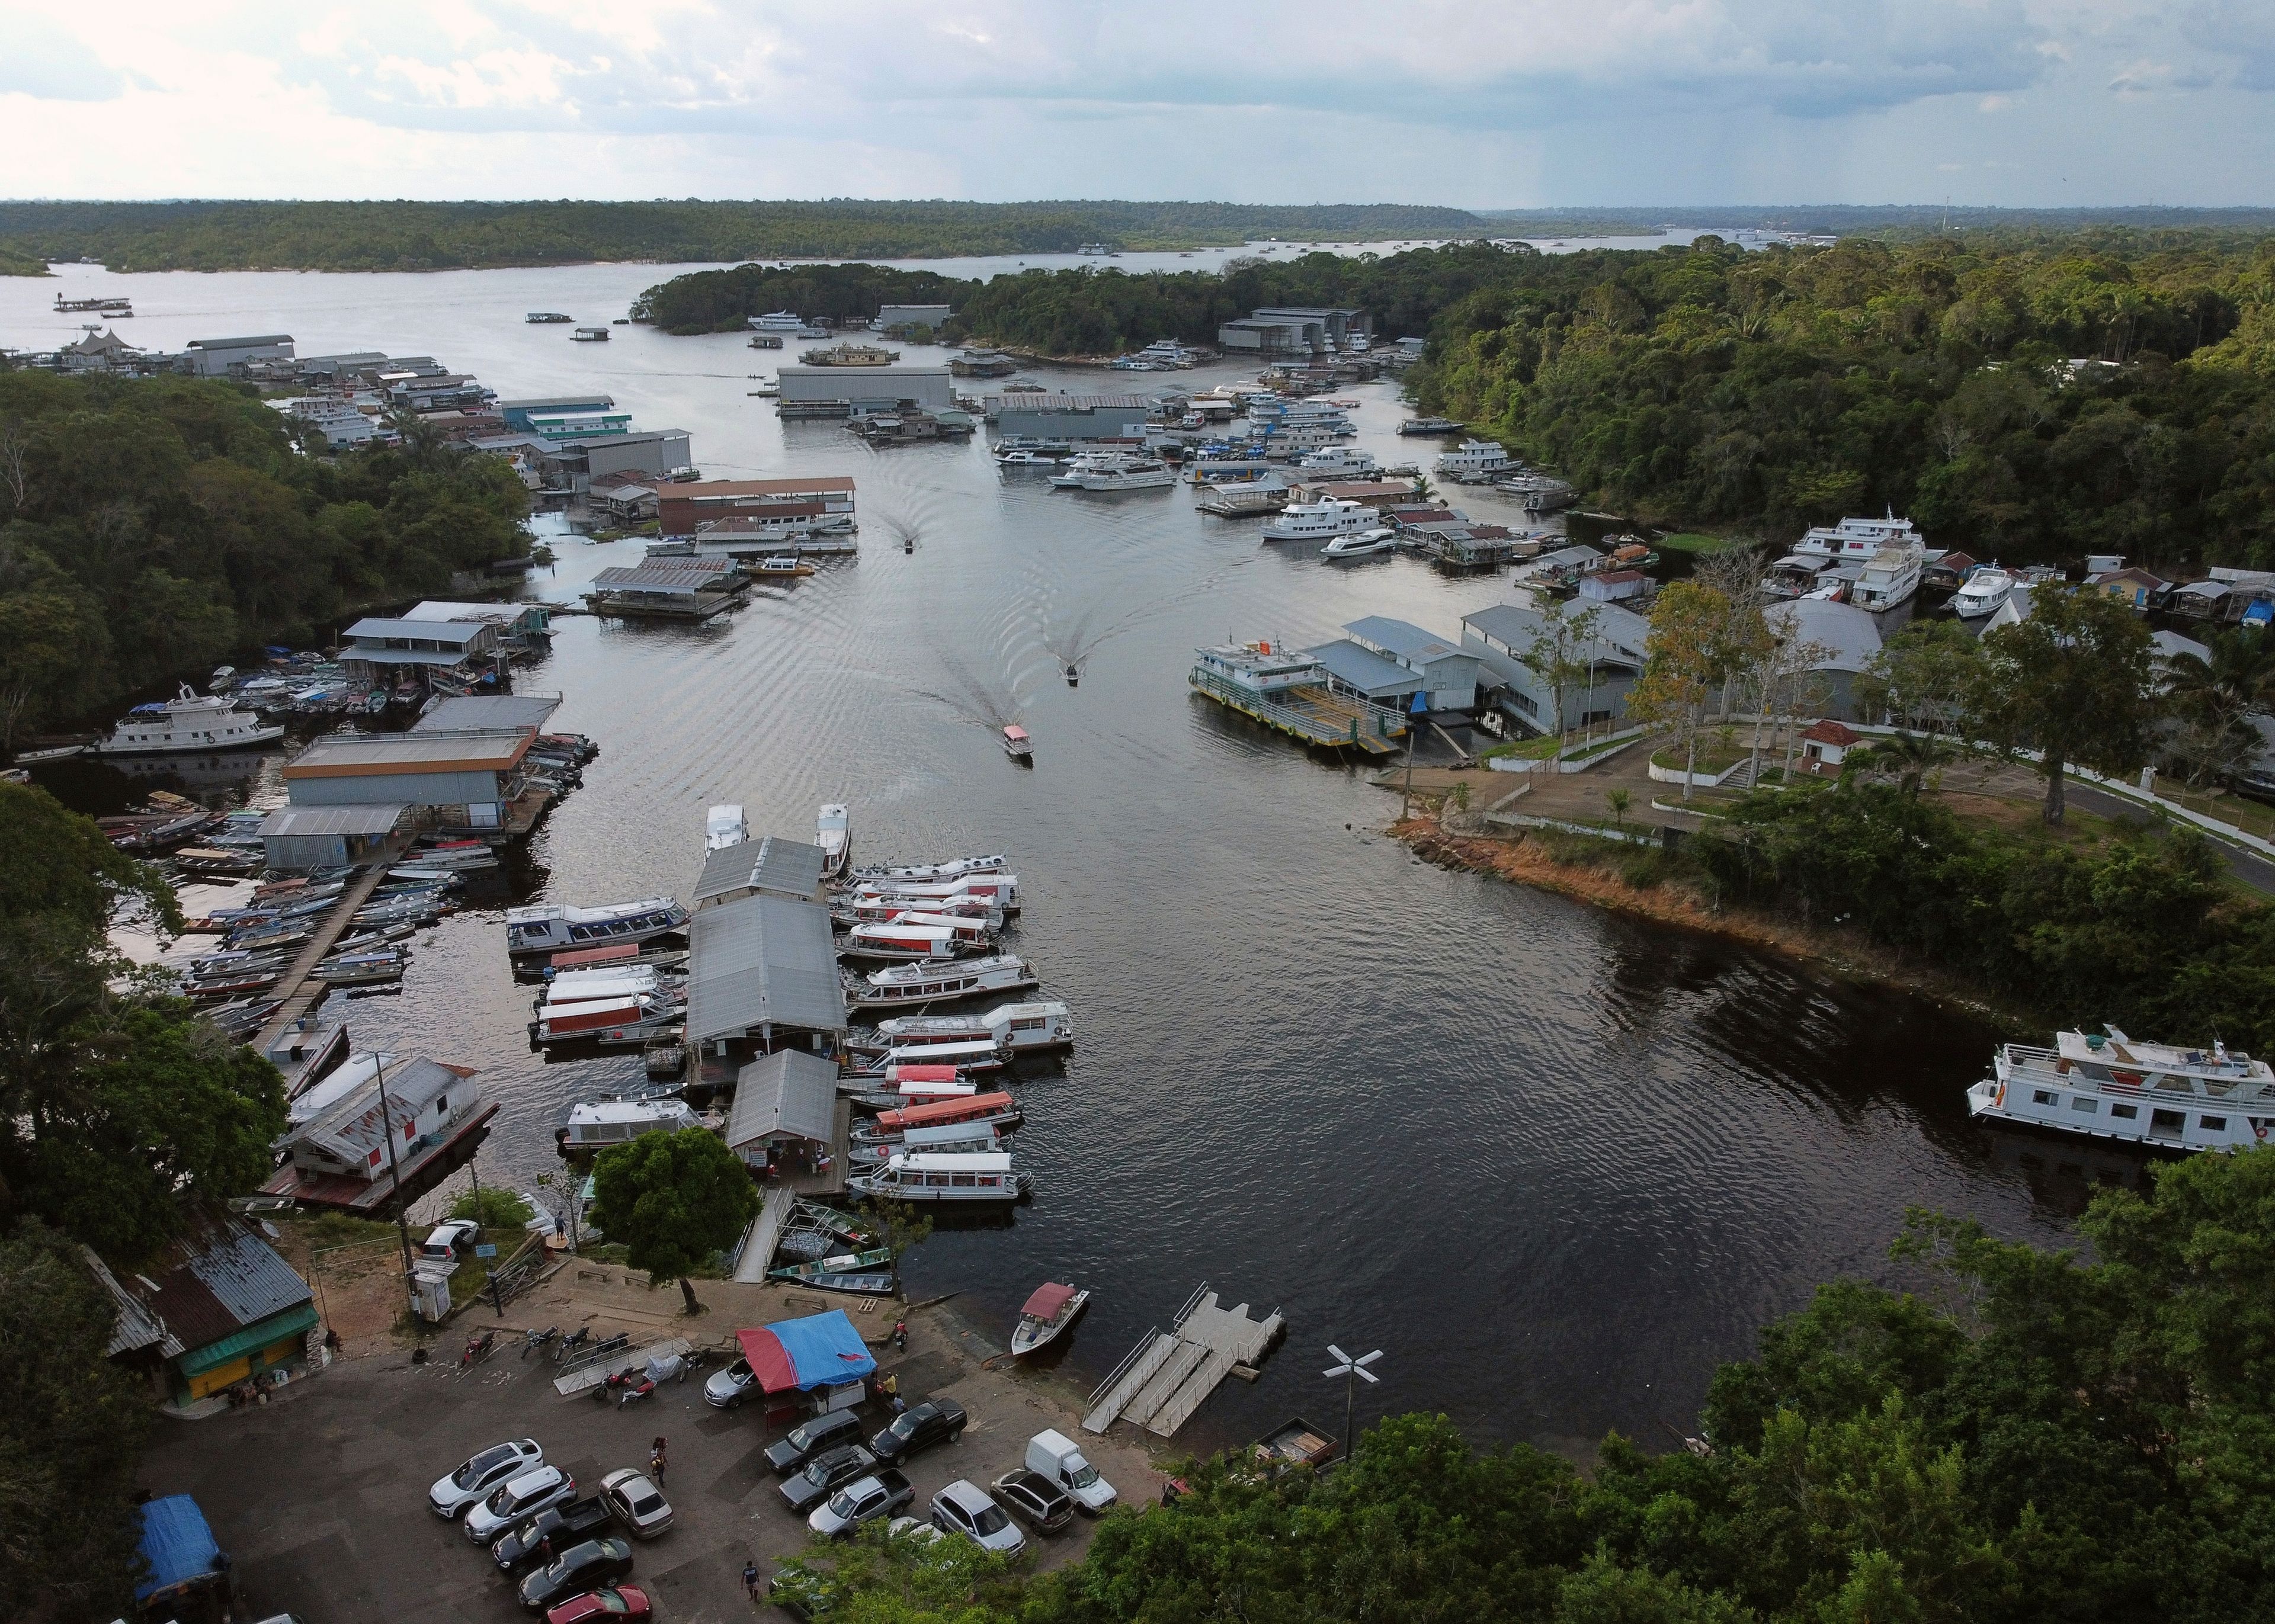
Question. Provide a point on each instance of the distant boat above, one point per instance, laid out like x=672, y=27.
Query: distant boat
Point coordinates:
x=590, y=336
x=1018, y=745
x=546, y=316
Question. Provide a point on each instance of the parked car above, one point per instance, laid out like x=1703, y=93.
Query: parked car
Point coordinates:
x=517, y=1498
x=807, y=1596
x=550, y=1530
x=914, y=1527
x=730, y=1387
x=880, y=1495
x=581, y=1567
x=638, y=1504
x=916, y=1429
x=811, y=1484
x=611, y=1601
x=963, y=1508
x=472, y=1481
x=448, y=1242
x=1059, y=1458
x=793, y=1450
x=1034, y=1499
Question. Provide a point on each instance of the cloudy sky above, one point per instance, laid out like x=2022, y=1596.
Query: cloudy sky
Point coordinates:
x=1482, y=103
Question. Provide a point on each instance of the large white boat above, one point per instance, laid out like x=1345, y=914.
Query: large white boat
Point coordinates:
x=610, y=1022
x=1020, y=1027
x=2114, y=1087
x=1364, y=545
x=953, y=868
x=917, y=936
x=1144, y=474
x=545, y=928
x=1856, y=540
x=190, y=721
x=723, y=827
x=1082, y=464
x=1475, y=459
x=1319, y=521
x=833, y=832
x=983, y=1177
x=1000, y=889
x=787, y=324
x=1345, y=462
x=916, y=986
x=1983, y=592
x=597, y=1124
x=1891, y=576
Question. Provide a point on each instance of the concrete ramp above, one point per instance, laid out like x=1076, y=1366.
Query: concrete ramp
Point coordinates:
x=1170, y=1374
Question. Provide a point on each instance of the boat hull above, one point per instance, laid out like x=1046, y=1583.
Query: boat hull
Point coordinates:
x=1032, y=1336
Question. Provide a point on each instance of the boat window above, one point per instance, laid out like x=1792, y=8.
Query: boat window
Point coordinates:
x=2167, y=1122
x=2044, y=1097
x=964, y=1181
x=2128, y=1112
x=2081, y=1102
x=2212, y=1124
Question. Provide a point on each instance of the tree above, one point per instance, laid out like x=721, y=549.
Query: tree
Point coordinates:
x=1562, y=652
x=675, y=1201
x=2073, y=681
x=1619, y=800
x=2214, y=700
x=494, y=1207
x=1911, y=757
x=71, y=1436
x=1681, y=665
x=1922, y=678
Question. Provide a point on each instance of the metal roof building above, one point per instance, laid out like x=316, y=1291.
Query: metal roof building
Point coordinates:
x=488, y=711
x=783, y=867
x=229, y=1303
x=1365, y=672
x=299, y=838
x=1448, y=673
x=759, y=966
x=786, y=1095
x=866, y=387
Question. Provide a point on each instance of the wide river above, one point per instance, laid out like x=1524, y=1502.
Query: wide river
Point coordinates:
x=1557, y=1163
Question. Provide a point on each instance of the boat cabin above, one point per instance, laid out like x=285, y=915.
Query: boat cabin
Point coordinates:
x=595, y=1125
x=971, y=1177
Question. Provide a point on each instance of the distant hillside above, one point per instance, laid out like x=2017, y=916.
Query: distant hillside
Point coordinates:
x=396, y=236
x=1851, y=219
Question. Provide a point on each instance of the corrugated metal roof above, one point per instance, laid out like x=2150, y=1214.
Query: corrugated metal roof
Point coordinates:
x=138, y=1326
x=1405, y=641
x=1363, y=669
x=657, y=578
x=791, y=867
x=346, y=754
x=1849, y=632
x=1620, y=633
x=484, y=711
x=373, y=819
x=762, y=958
x=353, y=1125
x=1074, y=402
x=788, y=1092
x=218, y=1278
x=458, y=631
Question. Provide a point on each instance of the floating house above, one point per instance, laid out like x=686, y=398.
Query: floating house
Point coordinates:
x=1069, y=417
x=762, y=975
x=683, y=508
x=784, y=1101
x=840, y=391
x=770, y=865
x=377, y=650
x=667, y=589
x=349, y=1148
x=473, y=778
x=297, y=839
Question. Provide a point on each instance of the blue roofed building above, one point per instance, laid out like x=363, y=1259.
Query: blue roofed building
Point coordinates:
x=1446, y=674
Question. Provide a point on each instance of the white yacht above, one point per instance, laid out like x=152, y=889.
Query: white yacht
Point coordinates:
x=1019, y=1028
x=1891, y=576
x=2112, y=1087
x=1319, y=521
x=1475, y=459
x=787, y=324
x=1082, y=464
x=1983, y=592
x=982, y=1176
x=833, y=832
x=545, y=928
x=190, y=721
x=1855, y=541
x=1343, y=461
x=1142, y=474
x=915, y=986
x=723, y=827
x=1365, y=544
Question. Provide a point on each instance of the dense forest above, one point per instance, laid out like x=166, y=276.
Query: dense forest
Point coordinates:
x=148, y=528
x=415, y=237
x=2035, y=1439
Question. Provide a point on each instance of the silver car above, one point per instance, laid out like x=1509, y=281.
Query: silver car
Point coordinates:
x=965, y=1507
x=474, y=1480
x=637, y=1503
x=537, y=1490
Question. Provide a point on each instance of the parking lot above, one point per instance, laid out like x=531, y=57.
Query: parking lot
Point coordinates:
x=321, y=1497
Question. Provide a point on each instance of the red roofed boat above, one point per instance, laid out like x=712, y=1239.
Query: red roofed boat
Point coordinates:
x=1048, y=1315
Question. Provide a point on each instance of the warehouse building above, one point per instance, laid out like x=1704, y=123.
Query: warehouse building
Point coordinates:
x=1445, y=675
x=762, y=975
x=900, y=321
x=296, y=838
x=1503, y=636
x=1339, y=325
x=682, y=509
x=378, y=649
x=220, y=357
x=1071, y=417
x=522, y=414
x=840, y=391
x=774, y=866
x=1272, y=338
x=472, y=777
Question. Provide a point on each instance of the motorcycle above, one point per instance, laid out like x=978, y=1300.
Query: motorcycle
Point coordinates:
x=537, y=1340
x=569, y=1344
x=901, y=1335
x=478, y=1349
x=613, y=1386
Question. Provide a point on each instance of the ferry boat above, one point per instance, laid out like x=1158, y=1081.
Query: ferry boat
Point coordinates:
x=1319, y=521
x=917, y=936
x=917, y=986
x=1085, y=463
x=833, y=832
x=1047, y=1314
x=981, y=1177
x=1139, y=474
x=1363, y=545
x=981, y=1054
x=1891, y=576
x=949, y=1139
x=1475, y=459
x=1022, y=1028
x=1018, y=745
x=612, y=1022
x=2109, y=1086
x=725, y=826
x=590, y=336
x=927, y=873
x=189, y=721
x=543, y=929
x=999, y=890
x=595, y=1125
x=1983, y=592
x=540, y=317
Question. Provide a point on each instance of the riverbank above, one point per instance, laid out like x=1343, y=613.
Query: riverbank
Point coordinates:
x=1652, y=883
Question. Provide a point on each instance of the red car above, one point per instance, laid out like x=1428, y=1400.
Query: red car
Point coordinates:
x=615, y=1601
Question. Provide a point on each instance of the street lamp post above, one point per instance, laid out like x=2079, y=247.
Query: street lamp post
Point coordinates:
x=1351, y=1370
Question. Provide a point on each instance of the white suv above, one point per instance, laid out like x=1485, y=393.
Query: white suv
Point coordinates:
x=534, y=1491
x=478, y=1476
x=965, y=1507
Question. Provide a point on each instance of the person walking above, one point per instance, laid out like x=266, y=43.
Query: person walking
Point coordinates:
x=750, y=1580
x=655, y=1462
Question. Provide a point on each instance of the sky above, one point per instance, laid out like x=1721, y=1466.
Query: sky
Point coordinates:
x=1477, y=104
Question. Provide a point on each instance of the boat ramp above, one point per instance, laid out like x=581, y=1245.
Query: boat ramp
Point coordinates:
x=1169, y=1373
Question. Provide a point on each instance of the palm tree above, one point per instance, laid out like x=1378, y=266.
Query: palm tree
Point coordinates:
x=1423, y=491
x=2214, y=700
x=1911, y=757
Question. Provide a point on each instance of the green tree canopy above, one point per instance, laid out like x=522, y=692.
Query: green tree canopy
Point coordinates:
x=675, y=1200
x=2074, y=681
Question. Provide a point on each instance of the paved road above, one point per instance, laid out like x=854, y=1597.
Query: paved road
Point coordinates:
x=2247, y=866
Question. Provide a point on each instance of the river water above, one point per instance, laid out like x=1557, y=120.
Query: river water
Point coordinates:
x=1555, y=1162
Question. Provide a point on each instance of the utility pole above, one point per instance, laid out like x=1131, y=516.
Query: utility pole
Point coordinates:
x=394, y=1171
x=1406, y=800
x=1350, y=1370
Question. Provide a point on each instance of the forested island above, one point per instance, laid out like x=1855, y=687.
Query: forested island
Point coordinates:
x=149, y=528
x=2029, y=395
x=421, y=236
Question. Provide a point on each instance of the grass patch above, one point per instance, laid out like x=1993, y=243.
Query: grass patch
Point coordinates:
x=1693, y=542
x=319, y=1230
x=1523, y=749
x=2249, y=816
x=1709, y=760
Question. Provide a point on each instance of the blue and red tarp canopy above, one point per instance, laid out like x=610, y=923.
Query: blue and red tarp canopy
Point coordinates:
x=796, y=1355
x=178, y=1544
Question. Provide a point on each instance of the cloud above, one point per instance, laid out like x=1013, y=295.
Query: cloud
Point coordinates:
x=44, y=61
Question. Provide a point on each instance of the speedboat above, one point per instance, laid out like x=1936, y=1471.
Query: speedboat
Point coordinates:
x=1360, y=546
x=833, y=832
x=1983, y=592
x=1046, y=1316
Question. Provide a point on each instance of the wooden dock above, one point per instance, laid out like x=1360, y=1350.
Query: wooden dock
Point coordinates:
x=765, y=1235
x=1312, y=715
x=1170, y=1374
x=294, y=986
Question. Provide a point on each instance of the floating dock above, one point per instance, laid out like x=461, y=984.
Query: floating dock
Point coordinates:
x=1310, y=714
x=1170, y=1374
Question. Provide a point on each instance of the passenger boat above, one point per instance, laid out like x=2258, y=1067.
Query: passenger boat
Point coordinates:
x=1018, y=745
x=1086, y=463
x=833, y=832
x=1030, y=1028
x=1345, y=462
x=595, y=1125
x=2114, y=1087
x=917, y=936
x=544, y=929
x=972, y=1055
x=917, y=986
x=1316, y=521
x=1365, y=544
x=189, y=721
x=844, y=1263
x=877, y=910
x=724, y=825
x=1475, y=459
x=584, y=986
x=1149, y=474
x=946, y=1140
x=611, y=1022
x=954, y=868
x=1983, y=592
x=623, y=953
x=984, y=1177
x=1046, y=1316
x=782, y=565
x=1001, y=890
x=1430, y=425
x=998, y=1110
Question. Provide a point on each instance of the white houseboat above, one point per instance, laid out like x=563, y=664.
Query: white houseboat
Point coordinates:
x=1890, y=577
x=1475, y=459
x=1855, y=541
x=1319, y=521
x=2114, y=1087
x=916, y=986
x=191, y=721
x=1343, y=462
x=1022, y=1029
x=833, y=832
x=597, y=1124
x=545, y=928
x=1982, y=593
x=1138, y=475
x=983, y=1177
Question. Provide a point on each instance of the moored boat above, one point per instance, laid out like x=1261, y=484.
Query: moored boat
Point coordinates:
x=544, y=929
x=917, y=936
x=2106, y=1085
x=596, y=1124
x=995, y=1110
x=1983, y=592
x=724, y=825
x=1365, y=544
x=1048, y=1315
x=919, y=985
x=190, y=721
x=968, y=1179
x=953, y=868
x=1019, y=1028
x=833, y=832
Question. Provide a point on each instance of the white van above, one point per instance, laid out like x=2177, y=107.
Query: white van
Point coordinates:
x=1055, y=1456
